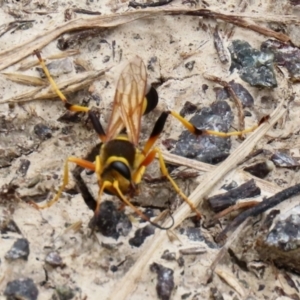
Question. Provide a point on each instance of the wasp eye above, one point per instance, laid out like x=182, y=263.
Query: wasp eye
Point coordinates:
x=122, y=169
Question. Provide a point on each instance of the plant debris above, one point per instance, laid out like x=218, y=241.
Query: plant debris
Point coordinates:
x=260, y=169
x=135, y=4
x=222, y=201
x=259, y=209
x=10, y=56
x=240, y=91
x=218, y=43
x=283, y=160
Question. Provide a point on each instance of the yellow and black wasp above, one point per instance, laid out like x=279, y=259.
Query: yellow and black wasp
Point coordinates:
x=121, y=164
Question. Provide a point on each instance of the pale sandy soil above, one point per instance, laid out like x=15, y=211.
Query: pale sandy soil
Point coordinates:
x=87, y=262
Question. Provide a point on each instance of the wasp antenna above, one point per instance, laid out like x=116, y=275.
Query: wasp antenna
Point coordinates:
x=161, y=227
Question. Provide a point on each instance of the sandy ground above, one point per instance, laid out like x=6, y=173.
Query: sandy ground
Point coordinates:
x=174, y=41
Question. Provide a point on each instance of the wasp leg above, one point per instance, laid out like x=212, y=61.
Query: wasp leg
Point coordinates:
x=160, y=123
x=80, y=183
x=149, y=158
x=69, y=106
x=115, y=185
x=105, y=184
x=78, y=161
x=199, y=132
x=157, y=130
x=143, y=216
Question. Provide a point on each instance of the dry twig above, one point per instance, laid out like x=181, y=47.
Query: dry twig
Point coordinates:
x=259, y=209
x=234, y=97
x=135, y=4
x=15, y=54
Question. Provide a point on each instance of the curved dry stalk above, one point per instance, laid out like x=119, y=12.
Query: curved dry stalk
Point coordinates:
x=15, y=54
x=128, y=283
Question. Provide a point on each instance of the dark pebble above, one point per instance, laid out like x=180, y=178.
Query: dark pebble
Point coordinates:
x=42, y=131
x=20, y=249
x=23, y=289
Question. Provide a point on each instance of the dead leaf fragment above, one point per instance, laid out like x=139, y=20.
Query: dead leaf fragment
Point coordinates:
x=25, y=79
x=231, y=280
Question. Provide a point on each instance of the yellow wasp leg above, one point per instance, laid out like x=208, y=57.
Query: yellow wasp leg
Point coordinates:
x=149, y=158
x=118, y=192
x=143, y=216
x=138, y=175
x=197, y=131
x=105, y=184
x=127, y=202
x=160, y=123
x=78, y=161
x=69, y=106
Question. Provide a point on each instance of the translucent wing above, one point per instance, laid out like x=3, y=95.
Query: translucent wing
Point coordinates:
x=128, y=102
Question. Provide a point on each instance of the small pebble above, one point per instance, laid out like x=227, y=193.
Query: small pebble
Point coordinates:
x=20, y=249
x=140, y=235
x=190, y=65
x=165, y=281
x=111, y=221
x=167, y=255
x=42, y=131
x=54, y=259
x=63, y=293
x=58, y=67
x=23, y=289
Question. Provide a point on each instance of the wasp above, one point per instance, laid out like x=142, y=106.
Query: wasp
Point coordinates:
x=121, y=163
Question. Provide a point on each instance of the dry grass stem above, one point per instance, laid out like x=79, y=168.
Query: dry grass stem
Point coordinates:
x=75, y=83
x=234, y=97
x=25, y=79
x=264, y=185
x=224, y=250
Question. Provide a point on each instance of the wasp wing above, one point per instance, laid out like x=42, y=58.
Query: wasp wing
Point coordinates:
x=128, y=102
